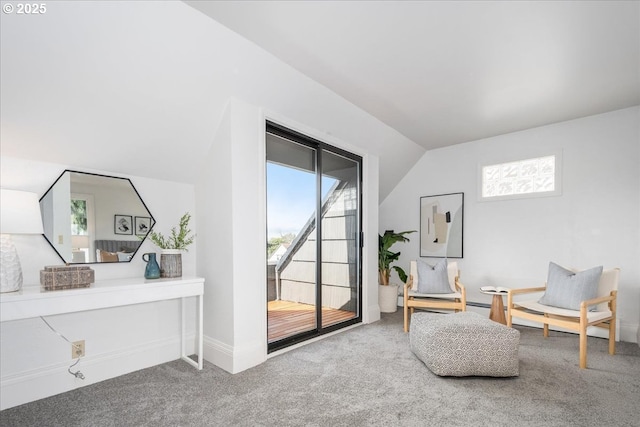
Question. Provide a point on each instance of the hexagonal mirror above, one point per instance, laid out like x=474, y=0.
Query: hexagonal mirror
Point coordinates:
x=91, y=218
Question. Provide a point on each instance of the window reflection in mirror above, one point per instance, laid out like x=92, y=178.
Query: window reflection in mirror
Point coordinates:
x=83, y=215
x=80, y=222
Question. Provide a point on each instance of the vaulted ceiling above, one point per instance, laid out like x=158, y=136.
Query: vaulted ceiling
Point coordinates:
x=139, y=87
x=447, y=72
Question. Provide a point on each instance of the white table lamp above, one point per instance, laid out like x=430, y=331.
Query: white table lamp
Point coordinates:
x=19, y=214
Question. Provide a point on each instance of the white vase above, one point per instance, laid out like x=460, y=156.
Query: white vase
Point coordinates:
x=11, y=275
x=388, y=298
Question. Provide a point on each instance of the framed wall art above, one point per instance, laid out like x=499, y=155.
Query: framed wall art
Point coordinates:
x=441, y=219
x=122, y=224
x=143, y=225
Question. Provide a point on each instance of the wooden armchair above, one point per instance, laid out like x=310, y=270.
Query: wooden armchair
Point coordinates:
x=604, y=315
x=456, y=300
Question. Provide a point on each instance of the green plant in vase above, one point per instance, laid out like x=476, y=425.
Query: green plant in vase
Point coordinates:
x=172, y=246
x=386, y=256
x=178, y=239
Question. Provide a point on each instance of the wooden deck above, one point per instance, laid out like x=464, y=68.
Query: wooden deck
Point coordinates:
x=286, y=318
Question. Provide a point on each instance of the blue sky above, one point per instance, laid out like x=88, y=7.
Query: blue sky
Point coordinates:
x=290, y=198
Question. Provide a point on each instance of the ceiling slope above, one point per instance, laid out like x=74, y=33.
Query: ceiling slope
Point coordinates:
x=140, y=87
x=447, y=72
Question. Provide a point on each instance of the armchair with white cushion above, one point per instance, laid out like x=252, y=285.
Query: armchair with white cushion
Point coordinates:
x=572, y=300
x=438, y=288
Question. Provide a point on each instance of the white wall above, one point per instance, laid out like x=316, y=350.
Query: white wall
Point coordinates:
x=596, y=220
x=215, y=243
x=33, y=359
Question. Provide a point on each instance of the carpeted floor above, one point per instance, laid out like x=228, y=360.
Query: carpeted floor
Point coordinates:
x=366, y=376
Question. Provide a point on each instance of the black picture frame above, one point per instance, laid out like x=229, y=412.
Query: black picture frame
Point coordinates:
x=142, y=225
x=441, y=225
x=123, y=224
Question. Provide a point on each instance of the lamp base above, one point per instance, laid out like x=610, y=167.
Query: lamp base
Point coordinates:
x=10, y=269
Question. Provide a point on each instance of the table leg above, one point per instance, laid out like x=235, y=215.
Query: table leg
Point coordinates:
x=497, y=310
x=199, y=333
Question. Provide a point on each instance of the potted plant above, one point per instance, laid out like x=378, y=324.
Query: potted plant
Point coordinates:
x=388, y=294
x=172, y=247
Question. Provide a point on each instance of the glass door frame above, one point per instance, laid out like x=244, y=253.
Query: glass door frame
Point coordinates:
x=319, y=146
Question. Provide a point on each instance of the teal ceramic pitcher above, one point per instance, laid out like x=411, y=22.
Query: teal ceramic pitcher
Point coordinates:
x=152, y=271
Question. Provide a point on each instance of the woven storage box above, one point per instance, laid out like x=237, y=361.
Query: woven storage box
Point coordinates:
x=54, y=278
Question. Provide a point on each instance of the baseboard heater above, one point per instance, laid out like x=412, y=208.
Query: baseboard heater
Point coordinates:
x=478, y=304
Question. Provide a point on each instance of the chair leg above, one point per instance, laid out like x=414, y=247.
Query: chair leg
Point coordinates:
x=545, y=329
x=406, y=317
x=612, y=324
x=405, y=308
x=612, y=336
x=583, y=347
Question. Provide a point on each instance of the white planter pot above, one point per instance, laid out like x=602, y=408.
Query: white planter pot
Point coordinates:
x=388, y=298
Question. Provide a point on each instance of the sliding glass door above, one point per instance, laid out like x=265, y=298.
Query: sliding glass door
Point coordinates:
x=313, y=233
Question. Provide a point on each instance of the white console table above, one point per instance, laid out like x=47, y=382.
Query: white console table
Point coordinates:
x=31, y=301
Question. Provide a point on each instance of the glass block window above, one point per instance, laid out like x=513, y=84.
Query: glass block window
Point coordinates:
x=522, y=177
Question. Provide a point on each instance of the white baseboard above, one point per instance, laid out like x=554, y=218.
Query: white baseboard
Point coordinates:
x=629, y=332
x=218, y=353
x=248, y=356
x=233, y=359
x=28, y=386
x=372, y=314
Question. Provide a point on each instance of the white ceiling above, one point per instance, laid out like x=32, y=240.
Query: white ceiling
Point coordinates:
x=443, y=73
x=139, y=87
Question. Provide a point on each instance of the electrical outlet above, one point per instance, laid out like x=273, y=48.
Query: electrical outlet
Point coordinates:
x=77, y=349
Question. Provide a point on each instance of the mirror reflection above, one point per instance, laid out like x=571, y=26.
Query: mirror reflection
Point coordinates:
x=91, y=218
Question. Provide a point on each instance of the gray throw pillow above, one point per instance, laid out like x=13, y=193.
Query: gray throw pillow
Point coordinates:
x=567, y=289
x=433, y=280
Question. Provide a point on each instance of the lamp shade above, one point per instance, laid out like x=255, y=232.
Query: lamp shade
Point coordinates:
x=19, y=212
x=80, y=241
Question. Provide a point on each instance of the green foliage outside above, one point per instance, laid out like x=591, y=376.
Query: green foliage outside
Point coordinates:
x=79, y=217
x=275, y=242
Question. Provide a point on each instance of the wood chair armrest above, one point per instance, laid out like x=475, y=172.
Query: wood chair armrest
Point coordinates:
x=512, y=292
x=598, y=300
x=408, y=284
x=526, y=290
x=460, y=287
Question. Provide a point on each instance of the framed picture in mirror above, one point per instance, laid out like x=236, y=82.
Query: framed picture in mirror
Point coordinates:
x=142, y=225
x=123, y=224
